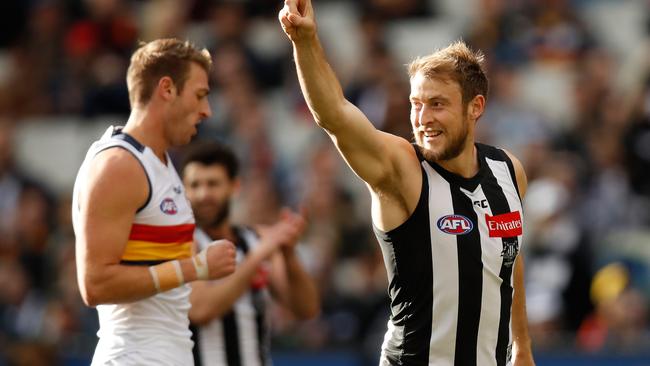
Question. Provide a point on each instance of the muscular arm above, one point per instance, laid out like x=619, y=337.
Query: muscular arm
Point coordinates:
x=386, y=163
x=292, y=286
x=370, y=153
x=107, y=209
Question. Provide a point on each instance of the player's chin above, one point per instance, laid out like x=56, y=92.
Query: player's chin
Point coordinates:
x=190, y=134
x=432, y=147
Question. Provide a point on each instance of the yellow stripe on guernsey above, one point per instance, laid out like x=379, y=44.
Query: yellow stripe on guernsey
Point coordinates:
x=153, y=243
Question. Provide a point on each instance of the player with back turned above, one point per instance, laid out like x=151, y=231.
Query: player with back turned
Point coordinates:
x=446, y=210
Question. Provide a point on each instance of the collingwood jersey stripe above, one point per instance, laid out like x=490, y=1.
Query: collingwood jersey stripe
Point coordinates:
x=241, y=336
x=196, y=353
x=231, y=339
x=407, y=257
x=470, y=282
x=465, y=286
x=499, y=175
x=444, y=251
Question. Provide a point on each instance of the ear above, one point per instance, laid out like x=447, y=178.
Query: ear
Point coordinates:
x=476, y=107
x=166, y=88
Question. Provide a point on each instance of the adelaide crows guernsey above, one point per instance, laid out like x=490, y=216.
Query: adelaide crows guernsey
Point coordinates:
x=450, y=267
x=154, y=330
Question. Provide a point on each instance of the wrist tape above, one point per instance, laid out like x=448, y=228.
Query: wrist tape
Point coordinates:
x=167, y=276
x=201, y=265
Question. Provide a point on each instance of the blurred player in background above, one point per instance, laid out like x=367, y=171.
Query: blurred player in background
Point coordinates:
x=230, y=316
x=133, y=223
x=446, y=210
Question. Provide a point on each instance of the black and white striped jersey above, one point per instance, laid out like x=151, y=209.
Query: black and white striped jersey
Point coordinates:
x=450, y=267
x=241, y=337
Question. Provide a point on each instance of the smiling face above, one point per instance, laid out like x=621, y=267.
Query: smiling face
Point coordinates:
x=189, y=107
x=438, y=117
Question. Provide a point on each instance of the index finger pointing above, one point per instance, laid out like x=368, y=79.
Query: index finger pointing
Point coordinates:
x=303, y=6
x=293, y=6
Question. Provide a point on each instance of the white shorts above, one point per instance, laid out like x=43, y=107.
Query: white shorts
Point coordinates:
x=139, y=358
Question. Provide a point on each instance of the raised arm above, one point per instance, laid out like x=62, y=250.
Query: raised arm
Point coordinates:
x=369, y=152
x=107, y=207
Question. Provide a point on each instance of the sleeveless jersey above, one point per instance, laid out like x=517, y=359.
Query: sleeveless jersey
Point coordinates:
x=241, y=337
x=155, y=329
x=450, y=267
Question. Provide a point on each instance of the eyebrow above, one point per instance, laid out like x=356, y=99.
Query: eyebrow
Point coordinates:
x=431, y=99
x=204, y=91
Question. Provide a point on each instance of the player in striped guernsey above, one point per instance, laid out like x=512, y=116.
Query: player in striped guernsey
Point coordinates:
x=231, y=315
x=133, y=224
x=446, y=210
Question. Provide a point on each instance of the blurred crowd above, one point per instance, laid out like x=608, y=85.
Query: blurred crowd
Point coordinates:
x=565, y=97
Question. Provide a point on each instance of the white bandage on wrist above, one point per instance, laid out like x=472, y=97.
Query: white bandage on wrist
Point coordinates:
x=179, y=272
x=167, y=276
x=201, y=265
x=154, y=276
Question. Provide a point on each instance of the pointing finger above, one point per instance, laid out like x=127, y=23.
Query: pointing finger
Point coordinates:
x=293, y=7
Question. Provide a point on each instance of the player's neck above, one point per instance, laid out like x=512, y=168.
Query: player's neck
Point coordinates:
x=465, y=164
x=143, y=127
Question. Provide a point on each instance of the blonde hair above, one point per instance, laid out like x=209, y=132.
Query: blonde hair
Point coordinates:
x=163, y=57
x=458, y=63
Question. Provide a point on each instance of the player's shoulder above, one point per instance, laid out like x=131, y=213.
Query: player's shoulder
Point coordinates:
x=116, y=163
x=399, y=147
x=116, y=173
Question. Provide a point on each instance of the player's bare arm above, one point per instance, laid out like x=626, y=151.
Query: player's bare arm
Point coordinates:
x=290, y=284
x=385, y=162
x=107, y=209
x=522, y=344
x=211, y=300
x=522, y=351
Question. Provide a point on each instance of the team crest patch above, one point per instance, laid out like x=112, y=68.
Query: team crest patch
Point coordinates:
x=455, y=224
x=168, y=206
x=510, y=250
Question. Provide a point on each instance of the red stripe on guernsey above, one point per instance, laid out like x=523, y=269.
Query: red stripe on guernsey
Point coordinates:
x=162, y=234
x=505, y=225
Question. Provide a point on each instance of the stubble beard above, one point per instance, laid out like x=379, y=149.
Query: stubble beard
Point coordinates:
x=452, y=149
x=216, y=220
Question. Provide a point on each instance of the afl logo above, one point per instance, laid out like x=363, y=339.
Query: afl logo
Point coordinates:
x=168, y=206
x=455, y=224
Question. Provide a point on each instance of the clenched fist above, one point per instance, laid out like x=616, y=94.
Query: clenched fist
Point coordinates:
x=218, y=260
